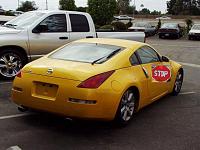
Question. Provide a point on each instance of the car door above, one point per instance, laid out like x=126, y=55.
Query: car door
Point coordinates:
x=80, y=27
x=149, y=60
x=138, y=76
x=55, y=36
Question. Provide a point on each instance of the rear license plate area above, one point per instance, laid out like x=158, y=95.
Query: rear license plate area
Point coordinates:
x=45, y=90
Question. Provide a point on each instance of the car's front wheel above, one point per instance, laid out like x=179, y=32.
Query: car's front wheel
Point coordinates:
x=127, y=107
x=11, y=62
x=178, y=83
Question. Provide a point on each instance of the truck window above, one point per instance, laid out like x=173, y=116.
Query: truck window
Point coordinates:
x=79, y=23
x=56, y=23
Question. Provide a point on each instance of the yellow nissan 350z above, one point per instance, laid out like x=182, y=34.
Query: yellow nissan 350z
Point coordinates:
x=102, y=79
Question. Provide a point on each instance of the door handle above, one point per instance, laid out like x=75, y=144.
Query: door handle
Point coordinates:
x=88, y=37
x=63, y=38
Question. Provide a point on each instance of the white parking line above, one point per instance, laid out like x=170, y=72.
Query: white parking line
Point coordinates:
x=14, y=116
x=190, y=65
x=5, y=83
x=187, y=93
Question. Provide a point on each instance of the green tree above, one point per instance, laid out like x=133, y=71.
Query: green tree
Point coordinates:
x=183, y=7
x=102, y=11
x=81, y=9
x=123, y=6
x=67, y=5
x=156, y=12
x=145, y=11
x=27, y=6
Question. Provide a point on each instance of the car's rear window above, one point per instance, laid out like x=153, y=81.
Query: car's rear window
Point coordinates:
x=169, y=25
x=84, y=52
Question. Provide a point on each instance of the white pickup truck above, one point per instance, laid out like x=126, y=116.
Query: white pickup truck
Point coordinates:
x=37, y=33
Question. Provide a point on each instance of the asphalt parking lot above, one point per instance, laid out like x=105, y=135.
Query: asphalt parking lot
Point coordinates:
x=172, y=123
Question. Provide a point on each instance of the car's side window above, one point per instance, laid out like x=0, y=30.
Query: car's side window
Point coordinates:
x=56, y=23
x=134, y=60
x=79, y=23
x=148, y=55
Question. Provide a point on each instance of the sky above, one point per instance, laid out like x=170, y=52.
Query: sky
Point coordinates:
x=159, y=5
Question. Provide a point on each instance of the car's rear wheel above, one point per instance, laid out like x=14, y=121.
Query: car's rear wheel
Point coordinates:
x=127, y=107
x=11, y=62
x=178, y=83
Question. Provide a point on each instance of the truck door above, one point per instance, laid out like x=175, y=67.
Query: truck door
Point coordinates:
x=81, y=27
x=54, y=36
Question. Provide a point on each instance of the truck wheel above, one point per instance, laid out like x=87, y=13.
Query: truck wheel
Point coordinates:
x=11, y=62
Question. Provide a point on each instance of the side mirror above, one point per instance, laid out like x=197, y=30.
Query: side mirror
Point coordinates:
x=165, y=59
x=40, y=28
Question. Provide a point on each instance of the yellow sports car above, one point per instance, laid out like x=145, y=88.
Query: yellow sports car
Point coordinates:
x=102, y=79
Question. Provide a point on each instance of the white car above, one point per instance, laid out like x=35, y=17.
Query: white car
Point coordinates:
x=163, y=18
x=194, y=33
x=123, y=17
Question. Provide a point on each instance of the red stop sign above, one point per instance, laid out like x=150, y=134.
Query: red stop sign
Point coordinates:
x=161, y=73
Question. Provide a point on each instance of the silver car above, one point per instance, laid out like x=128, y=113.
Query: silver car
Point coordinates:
x=145, y=27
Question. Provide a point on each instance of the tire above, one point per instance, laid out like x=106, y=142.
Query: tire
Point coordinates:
x=160, y=36
x=178, y=36
x=189, y=38
x=126, y=108
x=178, y=83
x=11, y=62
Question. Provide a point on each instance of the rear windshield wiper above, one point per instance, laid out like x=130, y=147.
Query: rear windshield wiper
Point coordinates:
x=107, y=57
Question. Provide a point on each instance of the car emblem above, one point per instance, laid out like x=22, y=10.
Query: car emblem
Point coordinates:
x=50, y=71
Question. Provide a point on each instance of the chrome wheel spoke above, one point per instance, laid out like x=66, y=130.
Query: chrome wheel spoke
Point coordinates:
x=3, y=65
x=130, y=97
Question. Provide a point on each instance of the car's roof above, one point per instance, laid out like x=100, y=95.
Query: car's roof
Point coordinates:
x=117, y=42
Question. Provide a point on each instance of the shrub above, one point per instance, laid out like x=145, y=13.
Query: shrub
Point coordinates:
x=129, y=24
x=97, y=26
x=159, y=24
x=189, y=24
x=110, y=27
x=119, y=26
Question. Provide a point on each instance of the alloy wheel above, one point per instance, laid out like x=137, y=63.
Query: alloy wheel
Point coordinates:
x=10, y=65
x=127, y=106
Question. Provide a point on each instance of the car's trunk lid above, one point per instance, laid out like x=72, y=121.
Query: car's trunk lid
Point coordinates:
x=78, y=71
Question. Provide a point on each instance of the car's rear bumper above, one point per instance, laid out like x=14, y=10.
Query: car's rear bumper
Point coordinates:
x=195, y=36
x=168, y=34
x=69, y=101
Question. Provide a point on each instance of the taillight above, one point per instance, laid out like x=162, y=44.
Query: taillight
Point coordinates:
x=19, y=74
x=95, y=81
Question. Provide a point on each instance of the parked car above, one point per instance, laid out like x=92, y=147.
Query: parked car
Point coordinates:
x=123, y=17
x=194, y=33
x=17, y=13
x=164, y=18
x=170, y=30
x=145, y=27
x=36, y=33
x=88, y=79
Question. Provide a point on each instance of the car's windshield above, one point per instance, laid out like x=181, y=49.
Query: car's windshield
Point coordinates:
x=24, y=20
x=196, y=27
x=84, y=52
x=169, y=25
